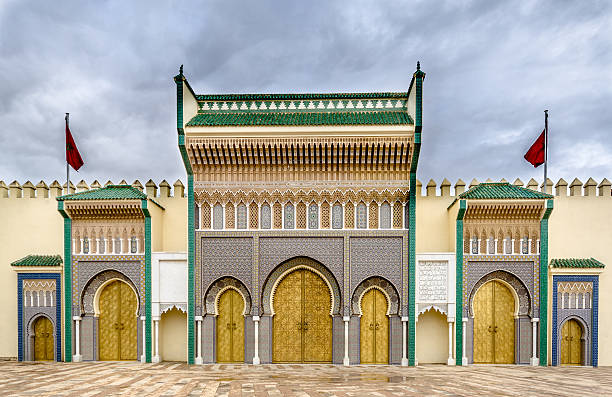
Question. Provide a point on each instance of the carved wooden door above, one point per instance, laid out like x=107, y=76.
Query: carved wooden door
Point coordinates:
x=117, y=322
x=302, y=325
x=571, y=343
x=230, y=327
x=43, y=339
x=494, y=324
x=317, y=322
x=374, y=328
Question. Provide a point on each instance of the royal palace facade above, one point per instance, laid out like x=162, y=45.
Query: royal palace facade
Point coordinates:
x=302, y=235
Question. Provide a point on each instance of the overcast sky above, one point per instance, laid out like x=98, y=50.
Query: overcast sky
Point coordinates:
x=492, y=68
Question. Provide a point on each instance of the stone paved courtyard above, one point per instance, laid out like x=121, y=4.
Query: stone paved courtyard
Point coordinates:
x=178, y=379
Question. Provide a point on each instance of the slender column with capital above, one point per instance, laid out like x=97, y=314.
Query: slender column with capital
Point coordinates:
x=198, y=359
x=256, y=360
x=347, y=360
x=534, y=342
x=77, y=340
x=404, y=357
x=464, y=359
x=143, y=357
x=156, y=358
x=451, y=360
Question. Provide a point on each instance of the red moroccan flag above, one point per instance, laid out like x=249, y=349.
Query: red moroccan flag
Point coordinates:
x=535, y=154
x=73, y=157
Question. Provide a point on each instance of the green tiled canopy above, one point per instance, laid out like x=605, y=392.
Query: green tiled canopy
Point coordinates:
x=502, y=190
x=589, y=263
x=39, y=260
x=110, y=192
x=302, y=118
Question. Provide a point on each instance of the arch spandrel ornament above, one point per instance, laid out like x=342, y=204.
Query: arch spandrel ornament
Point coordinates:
x=517, y=286
x=211, y=296
x=381, y=284
x=88, y=305
x=300, y=263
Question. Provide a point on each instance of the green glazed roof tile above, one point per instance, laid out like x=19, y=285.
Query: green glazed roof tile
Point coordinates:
x=110, y=192
x=301, y=118
x=502, y=190
x=39, y=260
x=263, y=97
x=576, y=263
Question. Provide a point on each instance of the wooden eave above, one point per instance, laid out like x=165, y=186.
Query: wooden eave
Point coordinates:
x=340, y=151
x=104, y=209
x=504, y=209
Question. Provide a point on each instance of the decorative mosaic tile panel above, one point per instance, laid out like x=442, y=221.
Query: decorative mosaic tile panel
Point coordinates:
x=376, y=256
x=225, y=256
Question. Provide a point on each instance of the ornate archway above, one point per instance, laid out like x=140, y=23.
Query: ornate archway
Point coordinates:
x=91, y=292
x=519, y=290
x=287, y=267
x=573, y=341
x=212, y=295
x=384, y=286
x=42, y=338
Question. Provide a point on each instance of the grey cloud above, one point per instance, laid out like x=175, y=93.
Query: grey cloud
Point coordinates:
x=492, y=68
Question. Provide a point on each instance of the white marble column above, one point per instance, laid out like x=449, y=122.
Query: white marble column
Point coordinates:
x=198, y=359
x=156, y=357
x=143, y=357
x=464, y=359
x=534, y=341
x=451, y=360
x=404, y=358
x=256, y=360
x=347, y=360
x=416, y=320
x=77, y=340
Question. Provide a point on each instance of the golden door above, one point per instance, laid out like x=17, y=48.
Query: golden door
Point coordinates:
x=230, y=328
x=117, y=322
x=43, y=339
x=302, y=325
x=571, y=343
x=494, y=324
x=374, y=328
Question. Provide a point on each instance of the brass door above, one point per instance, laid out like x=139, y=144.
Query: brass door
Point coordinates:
x=117, y=322
x=571, y=343
x=43, y=339
x=302, y=325
x=494, y=324
x=230, y=328
x=374, y=328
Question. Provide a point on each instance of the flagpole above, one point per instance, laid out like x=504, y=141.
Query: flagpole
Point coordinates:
x=545, y=150
x=67, y=167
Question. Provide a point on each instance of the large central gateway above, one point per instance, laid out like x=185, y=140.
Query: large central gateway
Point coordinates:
x=300, y=211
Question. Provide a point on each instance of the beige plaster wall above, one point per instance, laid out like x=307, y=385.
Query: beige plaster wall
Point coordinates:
x=174, y=233
x=27, y=225
x=173, y=335
x=432, y=338
x=432, y=220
